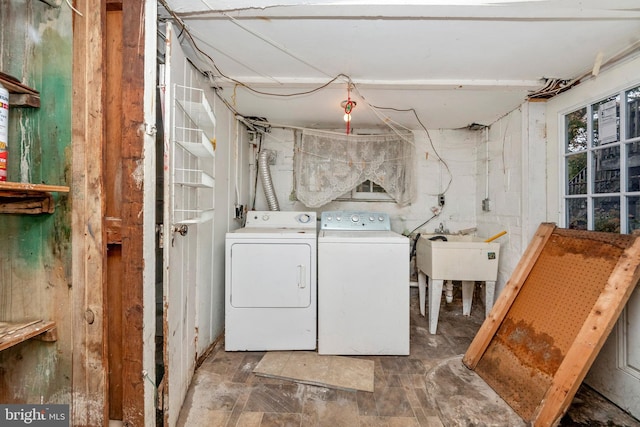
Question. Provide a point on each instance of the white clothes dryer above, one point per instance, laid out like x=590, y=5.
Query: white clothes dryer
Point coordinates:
x=363, y=285
x=270, y=283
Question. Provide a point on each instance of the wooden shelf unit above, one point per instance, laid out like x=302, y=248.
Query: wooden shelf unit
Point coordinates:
x=13, y=333
x=20, y=95
x=25, y=198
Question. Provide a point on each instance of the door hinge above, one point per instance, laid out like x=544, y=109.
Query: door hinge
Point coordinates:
x=160, y=233
x=150, y=129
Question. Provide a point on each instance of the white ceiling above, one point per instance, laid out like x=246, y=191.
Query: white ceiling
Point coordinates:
x=453, y=62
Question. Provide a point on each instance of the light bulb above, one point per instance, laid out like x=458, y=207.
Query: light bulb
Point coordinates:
x=347, y=118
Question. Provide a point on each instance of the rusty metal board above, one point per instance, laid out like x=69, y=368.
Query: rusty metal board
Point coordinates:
x=553, y=317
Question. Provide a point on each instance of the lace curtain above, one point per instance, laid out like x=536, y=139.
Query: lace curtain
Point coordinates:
x=328, y=165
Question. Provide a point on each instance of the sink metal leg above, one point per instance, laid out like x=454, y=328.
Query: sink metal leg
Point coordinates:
x=422, y=289
x=467, y=296
x=435, y=295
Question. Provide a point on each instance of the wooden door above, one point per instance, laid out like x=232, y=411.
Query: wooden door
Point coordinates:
x=616, y=371
x=189, y=180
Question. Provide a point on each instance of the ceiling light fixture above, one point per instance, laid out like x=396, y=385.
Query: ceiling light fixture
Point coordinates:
x=348, y=105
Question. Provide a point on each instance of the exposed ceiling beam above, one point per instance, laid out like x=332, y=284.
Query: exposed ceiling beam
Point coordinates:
x=536, y=10
x=426, y=84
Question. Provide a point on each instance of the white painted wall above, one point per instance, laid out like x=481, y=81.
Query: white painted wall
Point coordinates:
x=232, y=187
x=512, y=175
x=457, y=148
x=607, y=82
x=614, y=372
x=505, y=163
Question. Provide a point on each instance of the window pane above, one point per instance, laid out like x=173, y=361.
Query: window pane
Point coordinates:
x=633, y=206
x=577, y=214
x=633, y=166
x=606, y=214
x=576, y=167
x=369, y=187
x=606, y=170
x=606, y=121
x=576, y=130
x=377, y=188
x=364, y=187
x=633, y=113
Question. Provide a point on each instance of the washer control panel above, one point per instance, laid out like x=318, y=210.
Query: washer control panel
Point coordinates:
x=355, y=220
x=280, y=219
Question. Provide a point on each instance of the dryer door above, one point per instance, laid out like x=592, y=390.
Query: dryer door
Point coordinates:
x=270, y=275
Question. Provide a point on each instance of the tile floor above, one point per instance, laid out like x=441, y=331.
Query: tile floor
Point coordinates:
x=225, y=392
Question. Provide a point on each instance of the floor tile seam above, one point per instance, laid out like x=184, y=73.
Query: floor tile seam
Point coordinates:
x=281, y=414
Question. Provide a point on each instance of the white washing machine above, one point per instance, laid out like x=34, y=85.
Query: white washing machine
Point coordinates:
x=270, y=283
x=363, y=285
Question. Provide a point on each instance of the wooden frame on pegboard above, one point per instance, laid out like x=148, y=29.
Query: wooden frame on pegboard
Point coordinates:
x=553, y=317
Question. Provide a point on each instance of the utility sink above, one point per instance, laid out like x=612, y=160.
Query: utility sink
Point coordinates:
x=465, y=258
x=459, y=258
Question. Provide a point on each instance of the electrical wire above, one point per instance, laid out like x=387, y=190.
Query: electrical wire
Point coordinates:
x=415, y=114
x=423, y=224
x=269, y=41
x=199, y=51
x=73, y=8
x=386, y=120
x=255, y=181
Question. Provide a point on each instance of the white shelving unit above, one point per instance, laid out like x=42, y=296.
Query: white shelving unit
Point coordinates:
x=193, y=178
x=199, y=146
x=194, y=138
x=195, y=105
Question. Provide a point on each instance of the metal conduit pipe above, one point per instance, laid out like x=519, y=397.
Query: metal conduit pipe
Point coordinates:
x=265, y=178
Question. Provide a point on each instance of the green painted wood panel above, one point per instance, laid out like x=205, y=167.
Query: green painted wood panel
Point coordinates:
x=35, y=250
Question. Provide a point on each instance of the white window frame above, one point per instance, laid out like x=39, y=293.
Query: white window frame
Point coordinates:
x=623, y=143
x=366, y=196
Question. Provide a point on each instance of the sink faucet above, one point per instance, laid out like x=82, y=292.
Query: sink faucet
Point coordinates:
x=441, y=230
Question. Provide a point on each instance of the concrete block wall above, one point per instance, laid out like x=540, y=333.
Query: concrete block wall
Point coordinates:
x=456, y=147
x=504, y=163
x=512, y=175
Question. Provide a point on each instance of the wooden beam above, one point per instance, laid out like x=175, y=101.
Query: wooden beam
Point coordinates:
x=591, y=338
x=507, y=296
x=536, y=342
x=113, y=191
x=114, y=5
x=133, y=187
x=50, y=335
x=89, y=405
x=25, y=186
x=24, y=100
x=27, y=204
x=114, y=230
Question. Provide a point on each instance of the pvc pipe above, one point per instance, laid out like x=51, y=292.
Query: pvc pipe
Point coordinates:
x=448, y=291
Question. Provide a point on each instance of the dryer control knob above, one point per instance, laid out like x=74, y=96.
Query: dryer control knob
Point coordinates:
x=265, y=217
x=304, y=218
x=372, y=218
x=355, y=218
